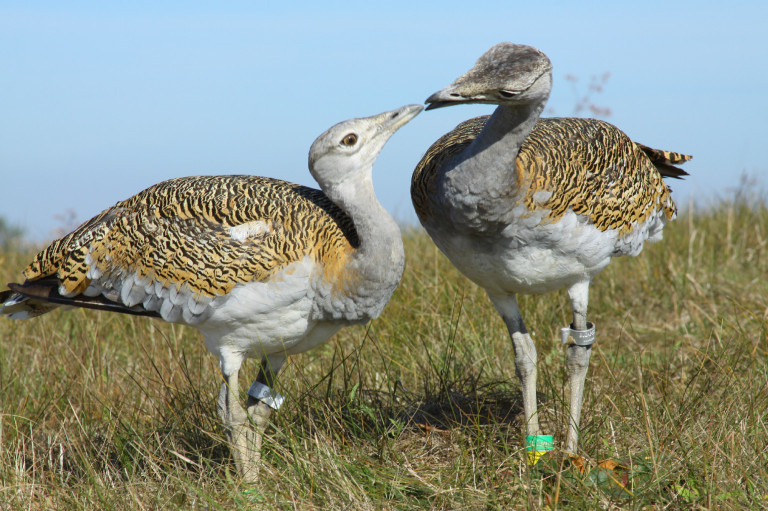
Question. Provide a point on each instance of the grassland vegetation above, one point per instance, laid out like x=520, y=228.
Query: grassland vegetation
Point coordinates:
x=420, y=409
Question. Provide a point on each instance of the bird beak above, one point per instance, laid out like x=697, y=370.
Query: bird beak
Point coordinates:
x=397, y=118
x=444, y=97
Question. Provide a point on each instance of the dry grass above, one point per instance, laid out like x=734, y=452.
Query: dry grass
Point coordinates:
x=420, y=410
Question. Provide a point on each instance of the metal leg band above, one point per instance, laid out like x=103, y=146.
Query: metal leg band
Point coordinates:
x=580, y=337
x=266, y=395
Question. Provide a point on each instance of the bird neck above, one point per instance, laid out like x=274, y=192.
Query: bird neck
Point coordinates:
x=495, y=149
x=377, y=263
x=482, y=183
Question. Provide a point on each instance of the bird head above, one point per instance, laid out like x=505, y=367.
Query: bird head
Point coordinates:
x=352, y=146
x=506, y=74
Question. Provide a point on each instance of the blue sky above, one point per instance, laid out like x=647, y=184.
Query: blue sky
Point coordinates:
x=101, y=99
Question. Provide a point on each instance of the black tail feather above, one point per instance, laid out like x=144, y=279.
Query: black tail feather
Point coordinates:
x=47, y=290
x=665, y=161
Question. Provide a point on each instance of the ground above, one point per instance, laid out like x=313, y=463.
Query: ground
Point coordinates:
x=421, y=408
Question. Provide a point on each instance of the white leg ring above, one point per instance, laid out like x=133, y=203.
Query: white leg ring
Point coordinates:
x=579, y=337
x=266, y=395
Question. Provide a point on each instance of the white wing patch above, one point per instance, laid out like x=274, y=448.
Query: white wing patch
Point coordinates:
x=249, y=230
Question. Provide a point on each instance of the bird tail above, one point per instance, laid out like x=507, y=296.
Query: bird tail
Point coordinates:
x=36, y=297
x=665, y=161
x=20, y=305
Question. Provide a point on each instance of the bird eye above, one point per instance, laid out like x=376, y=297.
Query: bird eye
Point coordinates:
x=349, y=140
x=508, y=93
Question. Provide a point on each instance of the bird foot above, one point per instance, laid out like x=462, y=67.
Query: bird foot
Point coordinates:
x=245, y=429
x=245, y=442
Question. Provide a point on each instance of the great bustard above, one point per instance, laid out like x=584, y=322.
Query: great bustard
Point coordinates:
x=526, y=205
x=262, y=267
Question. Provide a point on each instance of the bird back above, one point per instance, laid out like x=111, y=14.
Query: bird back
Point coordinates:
x=204, y=233
x=585, y=165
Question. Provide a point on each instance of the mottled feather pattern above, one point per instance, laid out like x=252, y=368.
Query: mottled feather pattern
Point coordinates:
x=619, y=188
x=175, y=240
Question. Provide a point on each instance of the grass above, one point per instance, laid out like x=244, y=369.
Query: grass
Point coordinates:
x=421, y=408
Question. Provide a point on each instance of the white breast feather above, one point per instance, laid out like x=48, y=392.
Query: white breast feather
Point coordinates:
x=267, y=317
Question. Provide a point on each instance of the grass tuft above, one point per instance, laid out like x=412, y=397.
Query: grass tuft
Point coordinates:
x=421, y=409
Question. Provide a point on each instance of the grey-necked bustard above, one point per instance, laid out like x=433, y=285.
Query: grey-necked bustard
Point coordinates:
x=262, y=267
x=521, y=204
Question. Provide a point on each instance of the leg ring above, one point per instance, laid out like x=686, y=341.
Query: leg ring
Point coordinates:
x=579, y=337
x=266, y=395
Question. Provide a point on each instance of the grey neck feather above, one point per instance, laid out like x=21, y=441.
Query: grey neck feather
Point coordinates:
x=481, y=183
x=379, y=259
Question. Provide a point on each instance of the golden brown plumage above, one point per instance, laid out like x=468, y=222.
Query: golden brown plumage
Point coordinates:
x=178, y=233
x=588, y=166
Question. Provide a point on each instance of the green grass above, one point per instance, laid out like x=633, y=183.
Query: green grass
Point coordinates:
x=420, y=409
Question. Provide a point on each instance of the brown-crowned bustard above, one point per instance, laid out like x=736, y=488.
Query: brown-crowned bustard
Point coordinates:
x=262, y=267
x=522, y=204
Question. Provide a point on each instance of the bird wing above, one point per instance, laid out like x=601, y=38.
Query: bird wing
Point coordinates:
x=187, y=241
x=592, y=168
x=584, y=165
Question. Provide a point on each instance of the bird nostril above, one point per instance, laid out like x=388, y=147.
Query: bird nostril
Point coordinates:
x=394, y=115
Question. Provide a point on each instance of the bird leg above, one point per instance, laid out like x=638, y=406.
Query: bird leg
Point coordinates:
x=525, y=358
x=245, y=429
x=579, y=338
x=262, y=398
x=525, y=368
x=242, y=441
